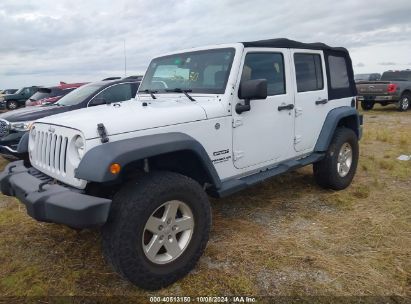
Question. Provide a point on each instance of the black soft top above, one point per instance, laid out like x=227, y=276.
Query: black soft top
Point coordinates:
x=333, y=93
x=292, y=44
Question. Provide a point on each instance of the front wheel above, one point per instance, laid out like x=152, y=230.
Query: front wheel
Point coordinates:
x=12, y=105
x=404, y=103
x=337, y=169
x=157, y=229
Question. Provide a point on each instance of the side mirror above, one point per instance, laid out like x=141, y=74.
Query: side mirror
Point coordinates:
x=249, y=90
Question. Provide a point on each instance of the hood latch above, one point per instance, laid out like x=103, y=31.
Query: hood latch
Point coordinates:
x=101, y=129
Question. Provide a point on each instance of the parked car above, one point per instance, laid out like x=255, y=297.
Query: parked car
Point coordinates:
x=18, y=99
x=7, y=92
x=14, y=124
x=394, y=87
x=210, y=120
x=52, y=94
x=367, y=77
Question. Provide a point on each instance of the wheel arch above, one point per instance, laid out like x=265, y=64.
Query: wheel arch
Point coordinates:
x=406, y=92
x=339, y=117
x=176, y=152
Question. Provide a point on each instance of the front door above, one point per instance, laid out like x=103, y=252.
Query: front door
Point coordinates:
x=311, y=98
x=265, y=133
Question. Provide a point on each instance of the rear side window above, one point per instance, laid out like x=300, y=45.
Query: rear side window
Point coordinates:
x=338, y=72
x=269, y=66
x=309, y=73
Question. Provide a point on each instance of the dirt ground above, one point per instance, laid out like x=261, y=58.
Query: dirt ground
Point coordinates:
x=284, y=237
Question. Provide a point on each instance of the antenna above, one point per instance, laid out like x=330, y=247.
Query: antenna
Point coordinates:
x=125, y=59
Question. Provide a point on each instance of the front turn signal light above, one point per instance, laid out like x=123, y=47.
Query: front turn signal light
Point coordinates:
x=115, y=168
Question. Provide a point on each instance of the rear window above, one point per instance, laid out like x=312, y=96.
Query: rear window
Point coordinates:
x=398, y=75
x=338, y=72
x=47, y=93
x=309, y=73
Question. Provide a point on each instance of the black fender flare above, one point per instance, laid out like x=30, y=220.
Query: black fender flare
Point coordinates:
x=23, y=145
x=330, y=124
x=95, y=164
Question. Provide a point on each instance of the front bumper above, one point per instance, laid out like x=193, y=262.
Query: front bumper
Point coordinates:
x=54, y=203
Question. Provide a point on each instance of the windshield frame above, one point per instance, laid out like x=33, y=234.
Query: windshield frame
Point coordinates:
x=150, y=72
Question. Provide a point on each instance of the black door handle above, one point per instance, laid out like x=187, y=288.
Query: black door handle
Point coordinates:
x=286, y=107
x=321, y=101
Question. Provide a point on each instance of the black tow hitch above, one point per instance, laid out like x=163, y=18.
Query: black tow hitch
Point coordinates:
x=101, y=129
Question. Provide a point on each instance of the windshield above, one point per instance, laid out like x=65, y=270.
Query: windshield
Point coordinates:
x=19, y=91
x=79, y=95
x=362, y=76
x=399, y=75
x=198, y=72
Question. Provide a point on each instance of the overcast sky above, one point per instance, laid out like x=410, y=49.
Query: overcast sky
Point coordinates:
x=44, y=41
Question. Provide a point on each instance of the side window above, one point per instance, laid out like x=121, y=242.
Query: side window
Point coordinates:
x=116, y=93
x=309, y=73
x=338, y=72
x=268, y=66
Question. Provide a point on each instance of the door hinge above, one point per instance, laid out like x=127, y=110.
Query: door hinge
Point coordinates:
x=238, y=155
x=298, y=111
x=237, y=122
x=297, y=139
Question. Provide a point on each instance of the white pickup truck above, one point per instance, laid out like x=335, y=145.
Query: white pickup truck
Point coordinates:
x=211, y=120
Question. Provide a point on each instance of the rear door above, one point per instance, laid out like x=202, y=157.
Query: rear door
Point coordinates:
x=311, y=97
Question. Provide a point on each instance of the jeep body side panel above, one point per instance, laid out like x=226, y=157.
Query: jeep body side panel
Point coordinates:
x=95, y=164
x=334, y=117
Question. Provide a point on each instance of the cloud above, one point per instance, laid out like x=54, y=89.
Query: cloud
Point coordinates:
x=84, y=39
x=387, y=63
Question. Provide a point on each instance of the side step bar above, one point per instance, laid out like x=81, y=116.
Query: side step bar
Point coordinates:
x=231, y=186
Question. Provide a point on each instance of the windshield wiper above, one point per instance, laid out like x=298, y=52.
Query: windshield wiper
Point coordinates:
x=151, y=92
x=178, y=90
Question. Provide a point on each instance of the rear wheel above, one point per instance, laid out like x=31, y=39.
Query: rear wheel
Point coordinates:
x=404, y=103
x=337, y=169
x=157, y=229
x=367, y=105
x=12, y=105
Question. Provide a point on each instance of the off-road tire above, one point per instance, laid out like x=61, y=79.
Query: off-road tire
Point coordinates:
x=404, y=103
x=123, y=232
x=12, y=104
x=325, y=171
x=367, y=105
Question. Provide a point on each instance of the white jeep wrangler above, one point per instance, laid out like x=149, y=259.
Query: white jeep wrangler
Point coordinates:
x=211, y=120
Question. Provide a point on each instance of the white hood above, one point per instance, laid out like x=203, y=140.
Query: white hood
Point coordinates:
x=128, y=116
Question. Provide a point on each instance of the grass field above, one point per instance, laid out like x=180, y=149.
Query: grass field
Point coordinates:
x=283, y=237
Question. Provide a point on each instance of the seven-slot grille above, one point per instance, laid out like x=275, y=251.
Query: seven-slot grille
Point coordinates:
x=4, y=128
x=51, y=152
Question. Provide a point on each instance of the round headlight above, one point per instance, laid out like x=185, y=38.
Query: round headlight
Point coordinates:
x=79, y=146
